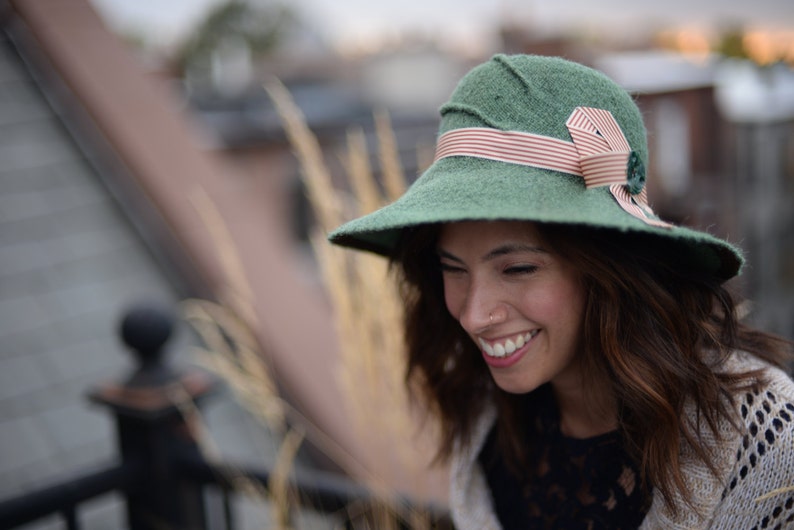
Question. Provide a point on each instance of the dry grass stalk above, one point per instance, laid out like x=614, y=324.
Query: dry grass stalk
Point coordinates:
x=194, y=420
x=368, y=312
x=250, y=380
x=237, y=293
x=367, y=306
x=244, y=369
x=317, y=177
x=382, y=516
x=232, y=351
x=227, y=328
x=180, y=398
x=279, y=480
x=359, y=171
x=775, y=493
x=394, y=183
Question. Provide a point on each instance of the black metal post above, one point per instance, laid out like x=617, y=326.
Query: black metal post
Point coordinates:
x=152, y=426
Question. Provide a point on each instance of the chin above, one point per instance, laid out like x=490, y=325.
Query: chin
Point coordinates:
x=513, y=384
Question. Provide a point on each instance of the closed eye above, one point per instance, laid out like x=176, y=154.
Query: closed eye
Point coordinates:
x=517, y=270
x=450, y=269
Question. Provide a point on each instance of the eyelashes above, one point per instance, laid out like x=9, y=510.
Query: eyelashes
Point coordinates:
x=450, y=269
x=512, y=270
x=518, y=270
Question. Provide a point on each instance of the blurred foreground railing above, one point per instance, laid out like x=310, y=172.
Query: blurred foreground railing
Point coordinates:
x=162, y=475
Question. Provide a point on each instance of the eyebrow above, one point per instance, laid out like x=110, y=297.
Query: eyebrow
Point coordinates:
x=502, y=250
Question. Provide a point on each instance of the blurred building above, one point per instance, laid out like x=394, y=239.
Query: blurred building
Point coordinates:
x=105, y=187
x=188, y=204
x=758, y=106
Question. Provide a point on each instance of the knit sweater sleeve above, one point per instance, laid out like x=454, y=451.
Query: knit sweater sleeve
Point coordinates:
x=755, y=486
x=760, y=489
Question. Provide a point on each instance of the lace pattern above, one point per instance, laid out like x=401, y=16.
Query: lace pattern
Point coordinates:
x=574, y=484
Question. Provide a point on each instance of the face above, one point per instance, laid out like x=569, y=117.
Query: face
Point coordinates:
x=519, y=302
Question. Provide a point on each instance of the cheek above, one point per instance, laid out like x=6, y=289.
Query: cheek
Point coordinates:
x=561, y=303
x=573, y=302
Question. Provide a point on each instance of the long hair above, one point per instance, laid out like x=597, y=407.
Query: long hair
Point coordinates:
x=653, y=329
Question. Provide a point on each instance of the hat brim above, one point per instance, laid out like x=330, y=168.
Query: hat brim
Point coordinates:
x=465, y=188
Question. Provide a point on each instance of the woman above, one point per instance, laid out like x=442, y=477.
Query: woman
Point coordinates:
x=583, y=356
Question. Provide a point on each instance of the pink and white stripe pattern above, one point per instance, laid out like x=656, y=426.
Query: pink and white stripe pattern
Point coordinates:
x=515, y=147
x=599, y=153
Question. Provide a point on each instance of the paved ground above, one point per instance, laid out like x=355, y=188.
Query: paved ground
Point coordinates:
x=70, y=263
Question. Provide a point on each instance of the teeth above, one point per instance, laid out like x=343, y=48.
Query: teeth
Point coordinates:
x=509, y=346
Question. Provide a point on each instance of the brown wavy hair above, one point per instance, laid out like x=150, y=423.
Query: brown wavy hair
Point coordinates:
x=653, y=329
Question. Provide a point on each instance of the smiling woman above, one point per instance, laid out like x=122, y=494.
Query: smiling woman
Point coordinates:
x=520, y=303
x=583, y=356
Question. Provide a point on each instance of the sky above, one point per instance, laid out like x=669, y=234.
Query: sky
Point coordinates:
x=167, y=21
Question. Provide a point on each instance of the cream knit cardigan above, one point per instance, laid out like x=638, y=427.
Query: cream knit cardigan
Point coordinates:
x=755, y=488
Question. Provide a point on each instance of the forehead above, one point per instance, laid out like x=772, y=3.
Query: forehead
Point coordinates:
x=482, y=233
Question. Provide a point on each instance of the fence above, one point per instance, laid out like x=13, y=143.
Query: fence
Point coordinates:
x=161, y=472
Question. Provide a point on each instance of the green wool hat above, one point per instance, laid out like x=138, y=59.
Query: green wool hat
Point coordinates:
x=540, y=139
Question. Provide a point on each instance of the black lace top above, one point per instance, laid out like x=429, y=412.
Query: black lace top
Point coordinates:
x=572, y=484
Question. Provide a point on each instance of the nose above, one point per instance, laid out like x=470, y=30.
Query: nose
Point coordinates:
x=482, y=307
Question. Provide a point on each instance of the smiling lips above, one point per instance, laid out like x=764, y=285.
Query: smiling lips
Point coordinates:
x=501, y=349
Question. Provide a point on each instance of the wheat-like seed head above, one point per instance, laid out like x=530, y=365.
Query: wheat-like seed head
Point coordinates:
x=368, y=314
x=365, y=300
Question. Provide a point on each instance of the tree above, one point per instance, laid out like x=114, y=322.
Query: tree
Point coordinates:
x=259, y=29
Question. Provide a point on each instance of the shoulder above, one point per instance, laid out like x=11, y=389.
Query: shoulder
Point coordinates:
x=760, y=488
x=766, y=413
x=754, y=455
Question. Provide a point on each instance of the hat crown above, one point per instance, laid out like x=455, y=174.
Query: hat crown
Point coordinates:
x=537, y=94
x=539, y=139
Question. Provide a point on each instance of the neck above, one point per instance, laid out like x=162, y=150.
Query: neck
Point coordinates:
x=584, y=414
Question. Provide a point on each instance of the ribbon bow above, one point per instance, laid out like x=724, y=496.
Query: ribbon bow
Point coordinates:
x=599, y=153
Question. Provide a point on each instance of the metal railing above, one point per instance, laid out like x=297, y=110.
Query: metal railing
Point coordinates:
x=162, y=474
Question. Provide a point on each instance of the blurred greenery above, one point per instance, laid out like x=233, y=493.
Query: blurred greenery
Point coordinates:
x=731, y=44
x=262, y=27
